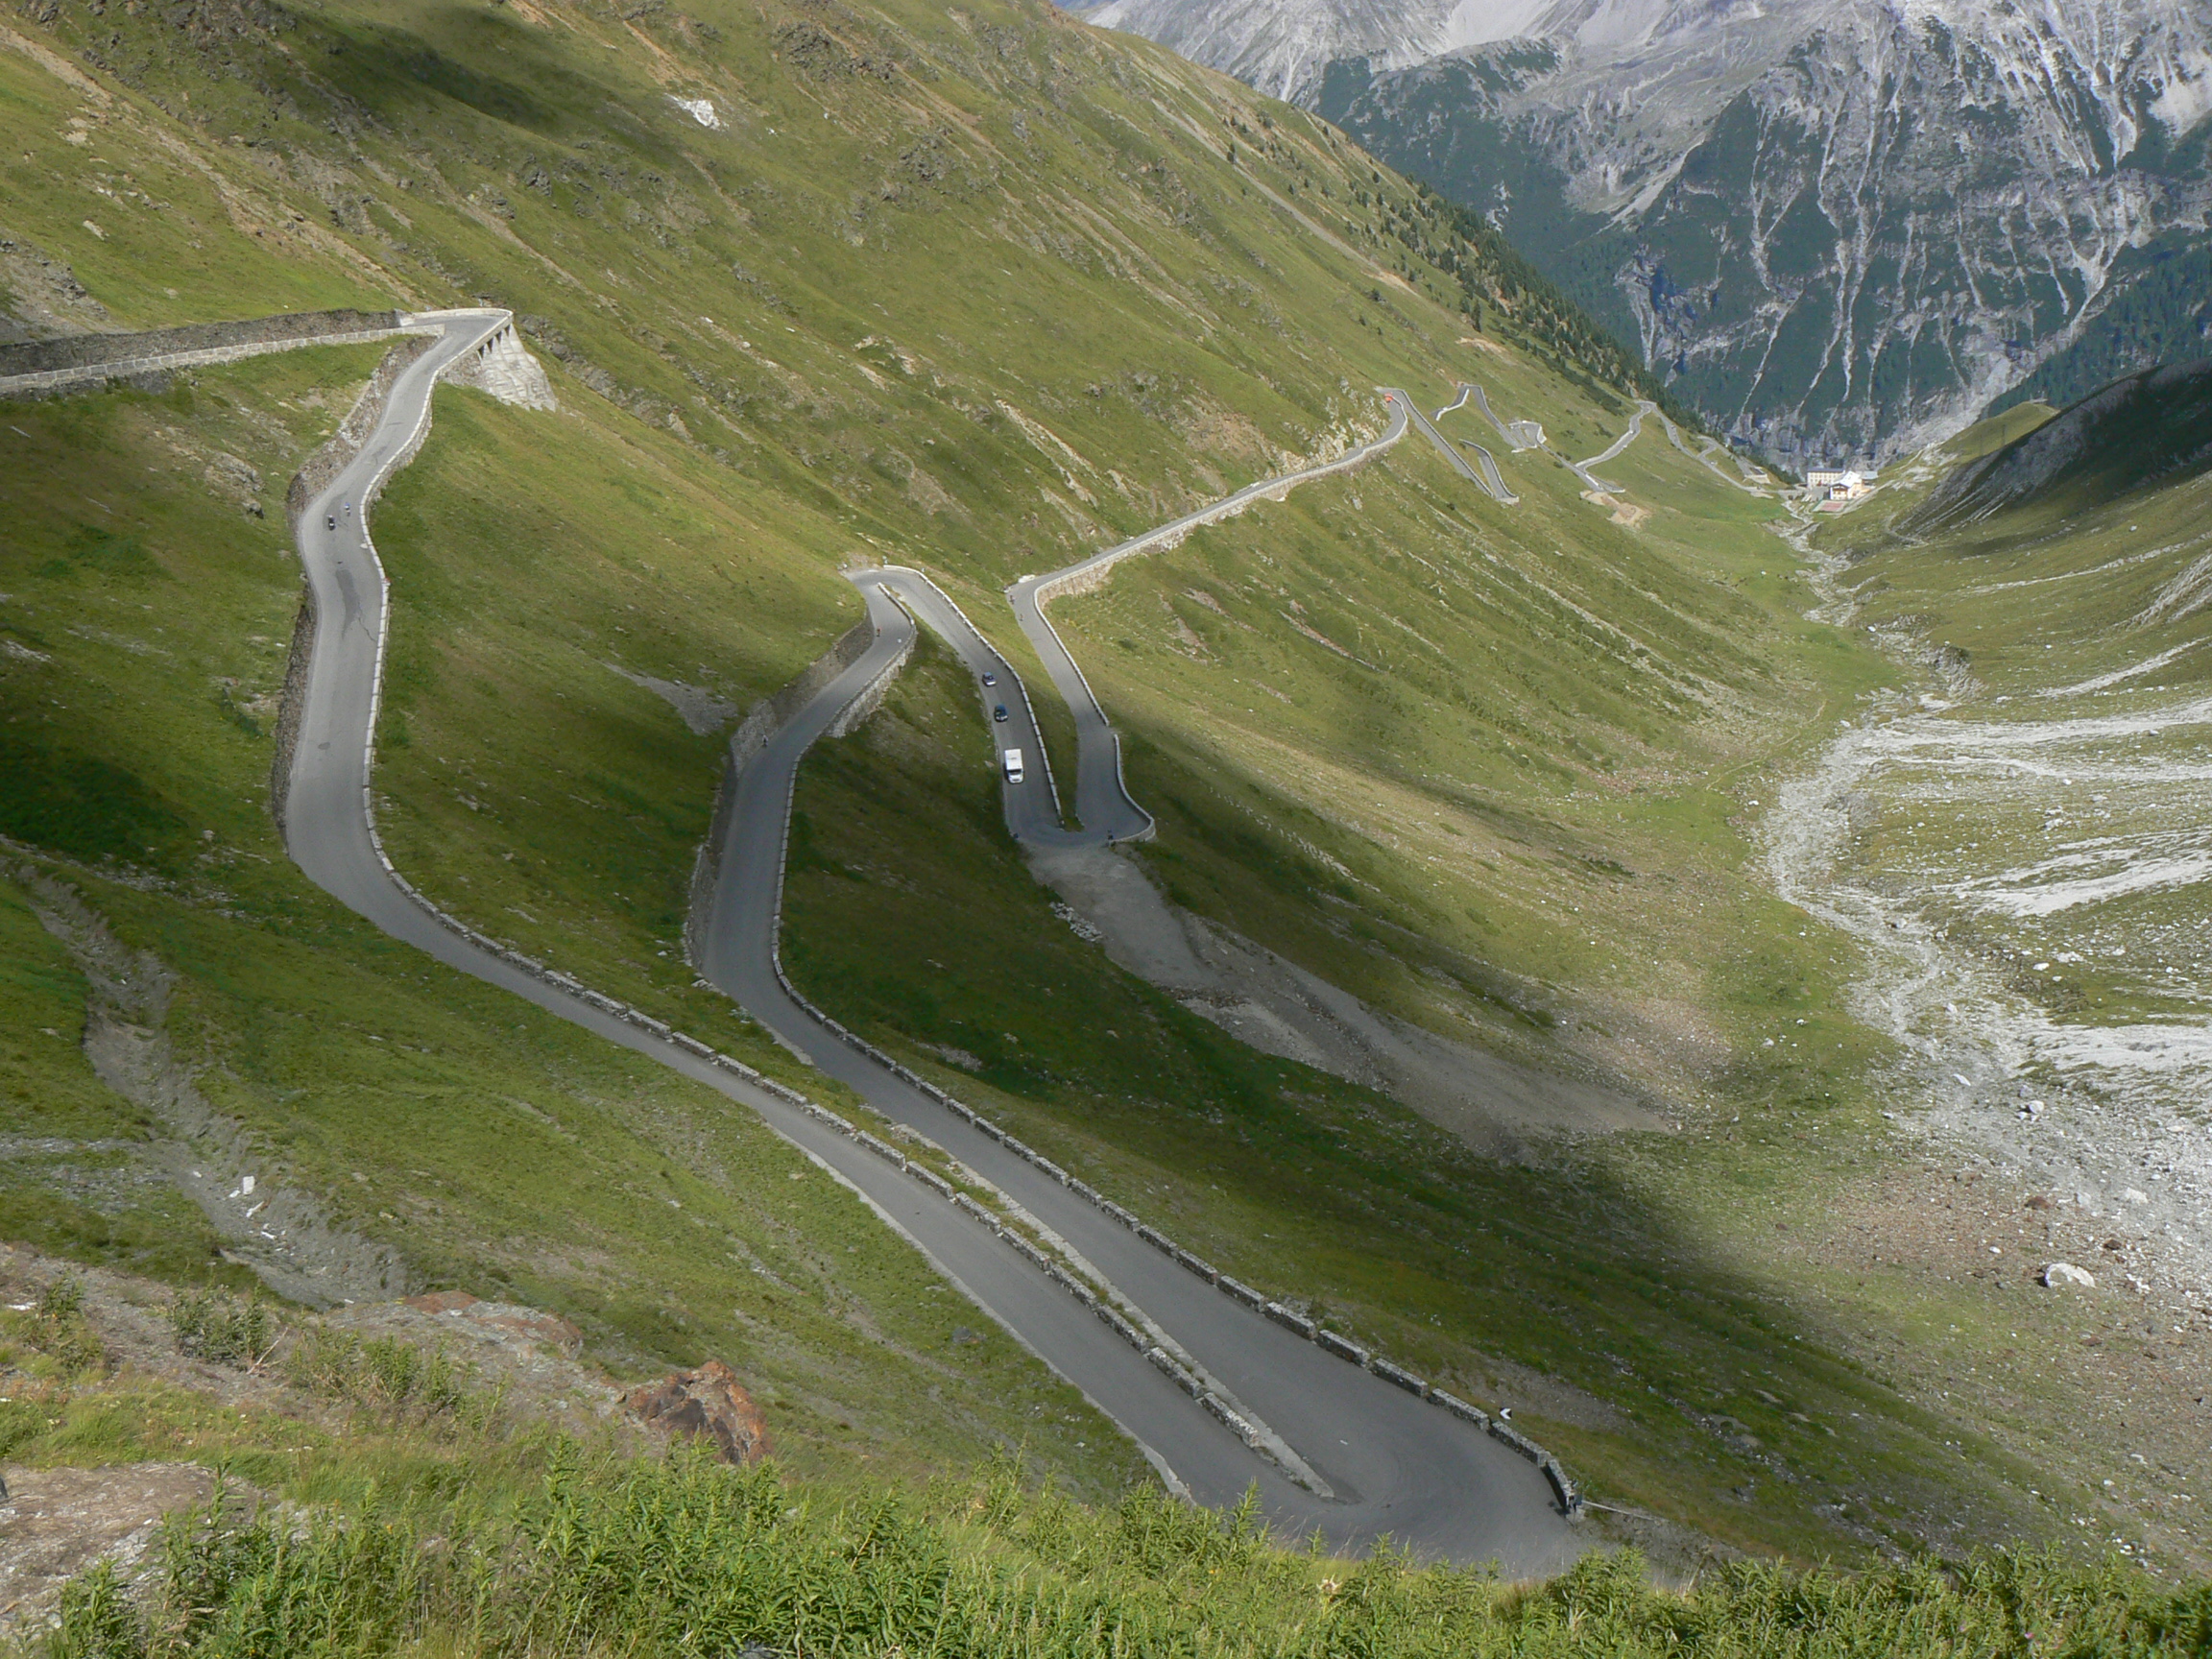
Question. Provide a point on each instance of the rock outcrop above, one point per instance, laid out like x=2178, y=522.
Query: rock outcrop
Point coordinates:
x=708, y=1403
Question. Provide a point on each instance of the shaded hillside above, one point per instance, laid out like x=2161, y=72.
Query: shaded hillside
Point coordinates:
x=2150, y=426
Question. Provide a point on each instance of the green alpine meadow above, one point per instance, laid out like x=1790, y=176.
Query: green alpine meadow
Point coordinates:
x=582, y=1072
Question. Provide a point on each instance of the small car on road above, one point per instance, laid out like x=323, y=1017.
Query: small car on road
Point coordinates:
x=1000, y=713
x=329, y=520
x=990, y=678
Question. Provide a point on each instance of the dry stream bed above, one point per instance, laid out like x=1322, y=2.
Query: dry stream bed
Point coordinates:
x=2026, y=875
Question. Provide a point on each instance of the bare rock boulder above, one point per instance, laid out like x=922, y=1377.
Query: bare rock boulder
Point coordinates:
x=505, y=1322
x=2063, y=1273
x=708, y=1403
x=58, y=1523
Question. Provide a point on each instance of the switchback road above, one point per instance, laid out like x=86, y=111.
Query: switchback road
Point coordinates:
x=1103, y=806
x=1341, y=1450
x=1348, y=1457
x=1487, y=480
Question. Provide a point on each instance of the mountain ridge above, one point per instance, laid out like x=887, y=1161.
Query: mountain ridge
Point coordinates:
x=1761, y=201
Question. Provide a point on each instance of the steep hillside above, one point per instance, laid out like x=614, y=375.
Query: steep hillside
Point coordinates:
x=978, y=290
x=2133, y=433
x=1838, y=229
x=454, y=1515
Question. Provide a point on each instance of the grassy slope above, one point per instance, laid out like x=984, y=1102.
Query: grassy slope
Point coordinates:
x=430, y=1113
x=1987, y=437
x=566, y=1545
x=801, y=340
x=1338, y=830
x=2031, y=602
x=2039, y=599
x=70, y=1181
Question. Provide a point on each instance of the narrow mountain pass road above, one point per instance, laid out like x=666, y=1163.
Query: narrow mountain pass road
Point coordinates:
x=1378, y=1459
x=1487, y=480
x=1491, y=480
x=1520, y=435
x=329, y=832
x=1360, y=1457
x=1704, y=456
x=1581, y=469
x=1103, y=806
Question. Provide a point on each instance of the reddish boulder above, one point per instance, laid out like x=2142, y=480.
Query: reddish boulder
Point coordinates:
x=708, y=1403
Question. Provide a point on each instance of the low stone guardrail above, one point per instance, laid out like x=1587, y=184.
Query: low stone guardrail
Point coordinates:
x=1563, y=1489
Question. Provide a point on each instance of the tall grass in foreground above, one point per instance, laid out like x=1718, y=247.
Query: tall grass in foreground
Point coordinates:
x=689, y=1558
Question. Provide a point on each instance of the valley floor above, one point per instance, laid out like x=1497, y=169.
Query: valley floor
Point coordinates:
x=2016, y=841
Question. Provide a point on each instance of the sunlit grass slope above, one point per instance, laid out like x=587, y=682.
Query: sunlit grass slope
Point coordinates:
x=460, y=1528
x=496, y=1149
x=2081, y=625
x=981, y=290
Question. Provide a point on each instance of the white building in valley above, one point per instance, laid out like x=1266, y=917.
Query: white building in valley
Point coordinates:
x=1832, y=487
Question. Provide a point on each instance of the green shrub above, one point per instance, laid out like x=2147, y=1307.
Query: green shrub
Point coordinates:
x=689, y=1556
x=98, y=1619
x=62, y=1300
x=380, y=1374
x=211, y=1326
x=58, y=1329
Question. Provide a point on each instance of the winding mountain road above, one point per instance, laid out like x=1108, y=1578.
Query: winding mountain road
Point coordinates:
x=1492, y=480
x=1103, y=806
x=1349, y=1460
x=1704, y=456
x=1595, y=485
x=1520, y=434
x=1644, y=407
x=1342, y=1451
x=1488, y=480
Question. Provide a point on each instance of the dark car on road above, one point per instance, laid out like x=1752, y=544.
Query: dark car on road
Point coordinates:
x=1000, y=713
x=329, y=520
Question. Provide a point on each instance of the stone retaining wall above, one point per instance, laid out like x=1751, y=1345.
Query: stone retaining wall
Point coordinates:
x=36, y=367
x=337, y=450
x=870, y=697
x=292, y=703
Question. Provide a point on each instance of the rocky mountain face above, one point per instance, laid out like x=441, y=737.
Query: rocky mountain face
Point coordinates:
x=1840, y=227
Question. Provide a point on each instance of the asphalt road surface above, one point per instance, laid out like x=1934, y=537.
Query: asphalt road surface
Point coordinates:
x=1595, y=485
x=1103, y=806
x=1373, y=1460
x=1487, y=480
x=1388, y=1462
x=1520, y=434
x=1492, y=480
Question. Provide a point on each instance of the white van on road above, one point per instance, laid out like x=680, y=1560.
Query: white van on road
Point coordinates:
x=1013, y=760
